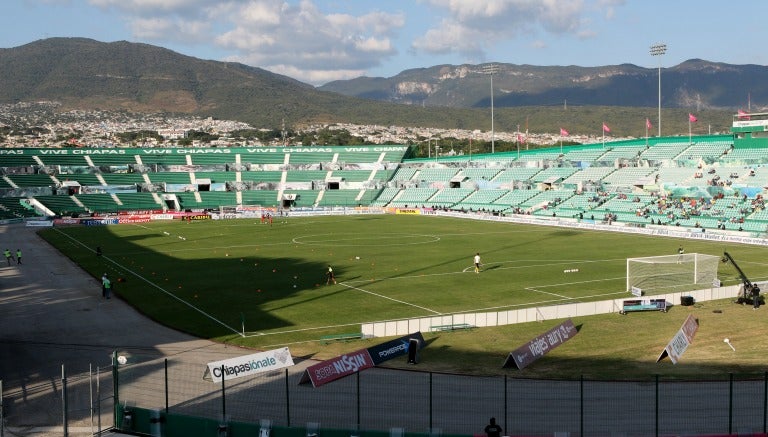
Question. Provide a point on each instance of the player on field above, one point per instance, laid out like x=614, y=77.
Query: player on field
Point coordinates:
x=477, y=262
x=330, y=276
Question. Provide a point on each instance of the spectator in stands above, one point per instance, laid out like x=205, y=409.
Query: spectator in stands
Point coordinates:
x=492, y=429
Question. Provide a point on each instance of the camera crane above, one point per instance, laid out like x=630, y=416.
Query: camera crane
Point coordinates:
x=751, y=293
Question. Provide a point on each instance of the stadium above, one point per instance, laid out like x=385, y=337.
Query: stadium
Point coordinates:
x=234, y=245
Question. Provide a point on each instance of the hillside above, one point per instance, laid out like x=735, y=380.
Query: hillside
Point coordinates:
x=87, y=74
x=695, y=84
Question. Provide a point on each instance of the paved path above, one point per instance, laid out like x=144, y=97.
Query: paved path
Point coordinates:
x=52, y=314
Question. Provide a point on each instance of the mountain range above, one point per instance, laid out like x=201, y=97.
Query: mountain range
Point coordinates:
x=693, y=84
x=87, y=74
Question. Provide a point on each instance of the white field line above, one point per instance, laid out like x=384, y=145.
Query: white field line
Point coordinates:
x=296, y=240
x=468, y=269
x=530, y=304
x=389, y=298
x=155, y=285
x=314, y=328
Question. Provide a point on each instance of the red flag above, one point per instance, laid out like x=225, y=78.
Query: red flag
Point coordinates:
x=743, y=115
x=606, y=128
x=692, y=118
x=563, y=132
x=648, y=124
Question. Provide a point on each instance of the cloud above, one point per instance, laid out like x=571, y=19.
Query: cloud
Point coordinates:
x=609, y=7
x=293, y=38
x=154, y=29
x=469, y=27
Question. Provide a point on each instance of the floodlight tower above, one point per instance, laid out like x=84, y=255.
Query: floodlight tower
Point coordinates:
x=659, y=49
x=492, y=69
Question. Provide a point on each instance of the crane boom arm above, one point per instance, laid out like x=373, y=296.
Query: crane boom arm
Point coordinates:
x=744, y=279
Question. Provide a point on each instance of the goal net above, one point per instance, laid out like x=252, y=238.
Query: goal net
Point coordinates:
x=670, y=273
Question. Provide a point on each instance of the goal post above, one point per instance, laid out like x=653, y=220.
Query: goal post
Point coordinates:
x=671, y=271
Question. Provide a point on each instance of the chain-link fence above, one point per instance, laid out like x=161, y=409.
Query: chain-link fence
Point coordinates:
x=57, y=401
x=429, y=403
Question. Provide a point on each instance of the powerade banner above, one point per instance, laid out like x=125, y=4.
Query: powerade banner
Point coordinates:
x=680, y=342
x=337, y=368
x=541, y=345
x=249, y=365
x=394, y=348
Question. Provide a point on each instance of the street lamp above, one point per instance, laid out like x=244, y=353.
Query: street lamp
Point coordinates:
x=658, y=50
x=492, y=69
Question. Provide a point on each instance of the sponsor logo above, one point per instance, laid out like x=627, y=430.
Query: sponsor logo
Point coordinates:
x=39, y=223
x=243, y=367
x=541, y=345
x=250, y=364
x=402, y=347
x=394, y=348
x=338, y=367
x=407, y=211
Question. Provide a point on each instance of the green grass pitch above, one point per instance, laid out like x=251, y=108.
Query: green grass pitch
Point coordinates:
x=214, y=278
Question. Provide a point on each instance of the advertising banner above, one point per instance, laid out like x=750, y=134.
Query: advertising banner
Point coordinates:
x=337, y=368
x=39, y=223
x=138, y=218
x=99, y=222
x=66, y=221
x=394, y=348
x=249, y=365
x=541, y=345
x=680, y=342
x=408, y=211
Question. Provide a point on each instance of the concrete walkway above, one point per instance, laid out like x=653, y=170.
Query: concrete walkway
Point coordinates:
x=52, y=315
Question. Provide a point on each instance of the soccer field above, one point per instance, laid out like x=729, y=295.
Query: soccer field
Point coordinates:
x=218, y=279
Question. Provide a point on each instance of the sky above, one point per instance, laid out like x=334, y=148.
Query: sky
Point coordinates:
x=318, y=41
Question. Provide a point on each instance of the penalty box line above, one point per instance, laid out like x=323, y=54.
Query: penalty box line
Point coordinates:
x=389, y=298
x=537, y=288
x=154, y=285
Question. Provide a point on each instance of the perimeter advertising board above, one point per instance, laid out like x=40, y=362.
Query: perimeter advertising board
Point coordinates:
x=680, y=342
x=249, y=365
x=347, y=364
x=337, y=368
x=541, y=345
x=393, y=348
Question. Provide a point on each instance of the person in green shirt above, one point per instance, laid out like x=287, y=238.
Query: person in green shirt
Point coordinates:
x=18, y=256
x=8, y=256
x=106, y=286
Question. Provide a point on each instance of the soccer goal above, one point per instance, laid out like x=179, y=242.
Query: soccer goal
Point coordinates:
x=671, y=272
